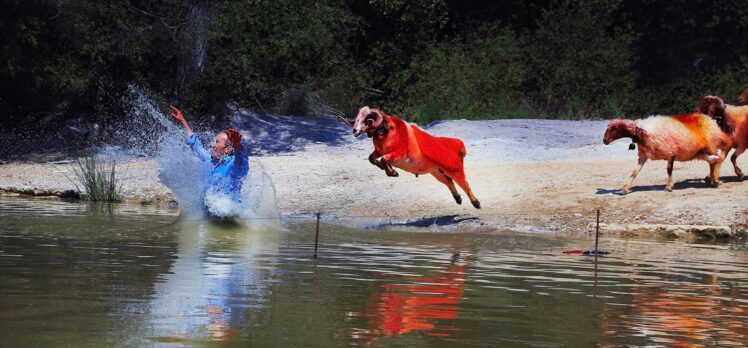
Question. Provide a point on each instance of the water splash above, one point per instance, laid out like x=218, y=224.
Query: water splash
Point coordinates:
x=257, y=199
x=258, y=195
x=156, y=135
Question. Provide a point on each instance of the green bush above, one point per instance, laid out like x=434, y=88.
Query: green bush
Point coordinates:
x=727, y=83
x=614, y=108
x=261, y=50
x=478, y=79
x=98, y=181
x=581, y=59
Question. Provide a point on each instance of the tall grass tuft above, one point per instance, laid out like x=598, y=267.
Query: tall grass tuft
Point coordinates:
x=99, y=183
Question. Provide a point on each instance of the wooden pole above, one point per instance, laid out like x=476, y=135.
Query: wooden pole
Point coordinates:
x=316, y=237
x=597, y=230
x=597, y=238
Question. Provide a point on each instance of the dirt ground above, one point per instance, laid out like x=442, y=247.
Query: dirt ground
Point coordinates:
x=523, y=183
x=560, y=195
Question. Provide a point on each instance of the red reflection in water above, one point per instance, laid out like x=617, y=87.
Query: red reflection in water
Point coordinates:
x=683, y=315
x=220, y=327
x=417, y=304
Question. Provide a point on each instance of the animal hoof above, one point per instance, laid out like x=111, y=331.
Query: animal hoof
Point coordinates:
x=740, y=177
x=625, y=190
x=714, y=184
x=707, y=179
x=458, y=199
x=476, y=204
x=669, y=189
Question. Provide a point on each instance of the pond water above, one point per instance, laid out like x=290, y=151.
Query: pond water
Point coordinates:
x=76, y=275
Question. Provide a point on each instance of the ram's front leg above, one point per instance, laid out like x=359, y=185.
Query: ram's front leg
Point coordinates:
x=389, y=170
x=389, y=158
x=374, y=159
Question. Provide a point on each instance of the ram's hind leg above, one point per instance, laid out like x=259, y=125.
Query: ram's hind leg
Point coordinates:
x=714, y=175
x=444, y=179
x=459, y=178
x=734, y=160
x=715, y=163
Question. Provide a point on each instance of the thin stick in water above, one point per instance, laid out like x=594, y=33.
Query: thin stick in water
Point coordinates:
x=597, y=230
x=316, y=237
x=597, y=238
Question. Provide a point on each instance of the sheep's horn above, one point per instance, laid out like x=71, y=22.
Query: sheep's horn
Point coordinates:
x=347, y=121
x=378, y=119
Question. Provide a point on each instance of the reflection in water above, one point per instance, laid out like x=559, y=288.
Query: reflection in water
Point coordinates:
x=74, y=275
x=418, y=303
x=220, y=275
x=675, y=313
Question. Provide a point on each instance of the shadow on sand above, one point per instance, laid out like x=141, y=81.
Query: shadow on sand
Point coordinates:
x=444, y=220
x=685, y=184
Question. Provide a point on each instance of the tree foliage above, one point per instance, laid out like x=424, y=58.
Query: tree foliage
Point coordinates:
x=581, y=58
x=456, y=79
x=424, y=60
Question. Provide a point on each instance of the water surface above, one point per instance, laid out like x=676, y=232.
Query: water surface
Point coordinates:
x=75, y=275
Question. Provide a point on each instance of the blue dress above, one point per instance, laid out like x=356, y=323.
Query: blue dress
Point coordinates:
x=225, y=175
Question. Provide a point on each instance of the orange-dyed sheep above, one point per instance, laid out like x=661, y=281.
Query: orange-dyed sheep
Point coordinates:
x=673, y=138
x=732, y=120
x=408, y=147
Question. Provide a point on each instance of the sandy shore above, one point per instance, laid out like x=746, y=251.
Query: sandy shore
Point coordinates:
x=139, y=179
x=559, y=195
x=528, y=174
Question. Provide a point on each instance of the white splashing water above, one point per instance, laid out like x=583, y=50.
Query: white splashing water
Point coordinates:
x=257, y=199
x=186, y=176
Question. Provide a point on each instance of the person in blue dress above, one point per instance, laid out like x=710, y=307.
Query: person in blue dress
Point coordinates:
x=228, y=159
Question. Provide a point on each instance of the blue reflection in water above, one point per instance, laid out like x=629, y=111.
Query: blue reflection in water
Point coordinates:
x=219, y=276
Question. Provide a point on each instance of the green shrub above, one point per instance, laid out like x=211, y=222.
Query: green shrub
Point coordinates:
x=98, y=180
x=613, y=108
x=262, y=51
x=480, y=79
x=727, y=83
x=294, y=101
x=430, y=111
x=581, y=59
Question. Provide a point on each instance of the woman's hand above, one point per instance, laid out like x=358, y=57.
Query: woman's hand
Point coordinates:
x=180, y=118
x=235, y=138
x=177, y=114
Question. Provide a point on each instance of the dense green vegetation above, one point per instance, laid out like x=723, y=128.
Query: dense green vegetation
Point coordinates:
x=424, y=60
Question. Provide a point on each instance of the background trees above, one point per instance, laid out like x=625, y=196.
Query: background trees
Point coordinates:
x=424, y=60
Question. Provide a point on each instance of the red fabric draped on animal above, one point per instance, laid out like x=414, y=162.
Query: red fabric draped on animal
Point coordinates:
x=405, y=146
x=673, y=138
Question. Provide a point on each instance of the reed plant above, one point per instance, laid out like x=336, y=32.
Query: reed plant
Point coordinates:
x=96, y=180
